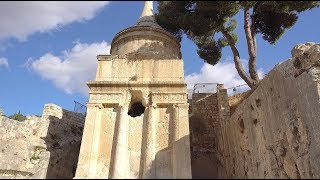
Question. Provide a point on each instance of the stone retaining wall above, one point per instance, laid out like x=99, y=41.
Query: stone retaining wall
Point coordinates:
x=41, y=147
x=63, y=114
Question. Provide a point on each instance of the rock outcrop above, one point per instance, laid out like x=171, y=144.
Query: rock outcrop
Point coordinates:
x=273, y=132
x=41, y=147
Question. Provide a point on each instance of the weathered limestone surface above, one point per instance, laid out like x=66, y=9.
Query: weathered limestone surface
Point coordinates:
x=275, y=132
x=144, y=73
x=41, y=147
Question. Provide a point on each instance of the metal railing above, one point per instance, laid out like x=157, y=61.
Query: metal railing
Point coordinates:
x=237, y=89
x=212, y=88
x=205, y=88
x=202, y=88
x=80, y=108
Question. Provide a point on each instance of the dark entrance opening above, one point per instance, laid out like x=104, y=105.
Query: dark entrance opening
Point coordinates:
x=136, y=109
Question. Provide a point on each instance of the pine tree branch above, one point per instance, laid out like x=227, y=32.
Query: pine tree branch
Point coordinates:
x=236, y=59
x=253, y=33
x=251, y=46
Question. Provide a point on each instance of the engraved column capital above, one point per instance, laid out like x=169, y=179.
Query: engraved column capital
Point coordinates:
x=153, y=105
x=178, y=105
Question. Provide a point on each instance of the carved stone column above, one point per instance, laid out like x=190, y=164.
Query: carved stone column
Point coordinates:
x=95, y=143
x=175, y=122
x=89, y=153
x=181, y=162
x=149, y=153
x=120, y=166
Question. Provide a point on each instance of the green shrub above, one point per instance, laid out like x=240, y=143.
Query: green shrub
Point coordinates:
x=18, y=116
x=34, y=157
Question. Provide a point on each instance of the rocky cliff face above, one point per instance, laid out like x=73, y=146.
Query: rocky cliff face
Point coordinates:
x=271, y=133
x=274, y=132
x=41, y=147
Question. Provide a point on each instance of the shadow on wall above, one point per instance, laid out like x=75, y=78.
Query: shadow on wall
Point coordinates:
x=154, y=50
x=207, y=113
x=63, y=141
x=162, y=166
x=204, y=162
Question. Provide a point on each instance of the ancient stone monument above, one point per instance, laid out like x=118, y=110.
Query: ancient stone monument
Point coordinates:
x=137, y=118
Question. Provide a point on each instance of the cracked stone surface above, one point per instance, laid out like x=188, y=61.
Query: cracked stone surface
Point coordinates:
x=40, y=147
x=283, y=143
x=272, y=132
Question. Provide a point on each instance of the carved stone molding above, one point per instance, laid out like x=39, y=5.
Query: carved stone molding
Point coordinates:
x=169, y=98
x=114, y=98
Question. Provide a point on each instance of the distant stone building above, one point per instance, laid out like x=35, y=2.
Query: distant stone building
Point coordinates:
x=137, y=123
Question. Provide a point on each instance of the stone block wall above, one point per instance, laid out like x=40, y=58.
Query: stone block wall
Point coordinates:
x=204, y=115
x=63, y=114
x=207, y=112
x=41, y=147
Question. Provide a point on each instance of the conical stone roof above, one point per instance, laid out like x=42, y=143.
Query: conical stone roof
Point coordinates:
x=146, y=37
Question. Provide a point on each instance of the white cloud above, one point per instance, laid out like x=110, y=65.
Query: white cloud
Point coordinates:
x=78, y=65
x=4, y=62
x=222, y=73
x=71, y=71
x=20, y=19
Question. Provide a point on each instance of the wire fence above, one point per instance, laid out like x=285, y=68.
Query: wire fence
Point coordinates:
x=202, y=88
x=80, y=108
x=212, y=88
x=237, y=89
x=205, y=88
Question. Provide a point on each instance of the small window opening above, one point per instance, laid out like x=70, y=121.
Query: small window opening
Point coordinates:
x=136, y=109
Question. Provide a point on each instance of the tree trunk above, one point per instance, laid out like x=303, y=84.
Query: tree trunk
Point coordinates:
x=253, y=34
x=251, y=42
x=236, y=58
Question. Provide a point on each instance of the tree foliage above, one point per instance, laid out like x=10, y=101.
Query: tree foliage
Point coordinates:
x=272, y=18
x=202, y=20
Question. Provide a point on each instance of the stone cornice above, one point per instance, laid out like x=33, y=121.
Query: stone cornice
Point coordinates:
x=135, y=84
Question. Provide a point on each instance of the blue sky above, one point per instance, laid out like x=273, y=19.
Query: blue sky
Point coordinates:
x=48, y=50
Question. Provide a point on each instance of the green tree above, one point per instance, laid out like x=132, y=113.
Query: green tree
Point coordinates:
x=201, y=20
x=18, y=116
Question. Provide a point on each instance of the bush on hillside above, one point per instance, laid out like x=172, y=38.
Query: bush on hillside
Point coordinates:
x=18, y=116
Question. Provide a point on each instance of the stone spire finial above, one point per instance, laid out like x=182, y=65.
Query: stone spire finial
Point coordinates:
x=147, y=17
x=147, y=9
